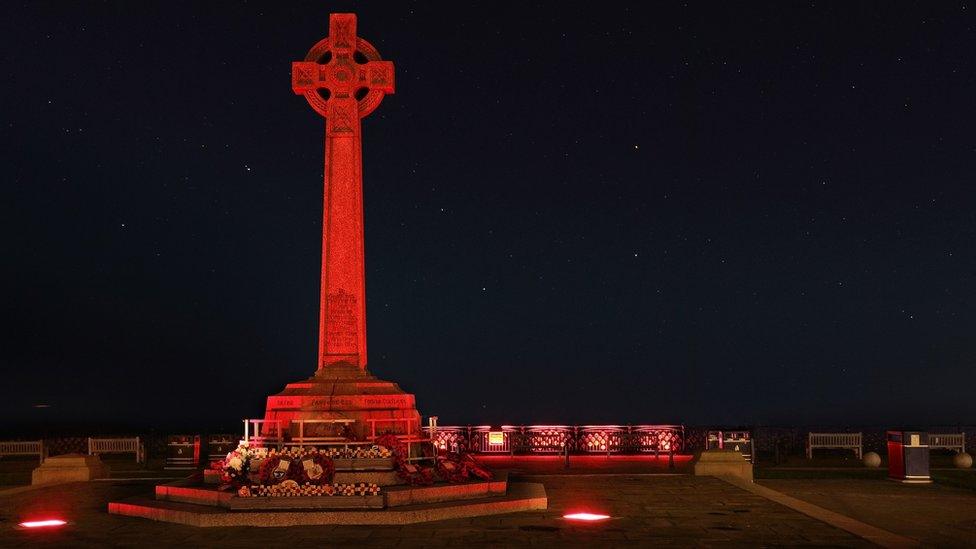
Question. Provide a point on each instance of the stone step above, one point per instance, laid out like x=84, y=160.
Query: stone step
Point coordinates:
x=307, y=503
x=380, y=478
x=394, y=493
x=397, y=496
x=185, y=491
x=363, y=464
x=521, y=496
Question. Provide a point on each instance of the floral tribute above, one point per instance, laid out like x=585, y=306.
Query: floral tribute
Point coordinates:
x=455, y=467
x=295, y=471
x=409, y=472
x=299, y=465
x=236, y=467
x=290, y=488
x=359, y=452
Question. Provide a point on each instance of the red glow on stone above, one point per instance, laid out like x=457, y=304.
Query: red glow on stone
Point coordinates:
x=585, y=516
x=48, y=523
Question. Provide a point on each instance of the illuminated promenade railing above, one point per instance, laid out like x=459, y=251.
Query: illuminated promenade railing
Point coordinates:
x=556, y=439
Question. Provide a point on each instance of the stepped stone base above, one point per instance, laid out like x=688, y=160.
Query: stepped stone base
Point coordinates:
x=518, y=497
x=380, y=478
x=343, y=391
x=69, y=468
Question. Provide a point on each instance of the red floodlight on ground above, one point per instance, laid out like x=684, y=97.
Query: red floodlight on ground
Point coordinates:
x=588, y=517
x=46, y=523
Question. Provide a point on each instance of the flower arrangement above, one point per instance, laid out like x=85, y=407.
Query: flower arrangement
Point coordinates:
x=409, y=472
x=236, y=466
x=316, y=469
x=290, y=488
x=277, y=468
x=456, y=467
x=305, y=471
x=358, y=452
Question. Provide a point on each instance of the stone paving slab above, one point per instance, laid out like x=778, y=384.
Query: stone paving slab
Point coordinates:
x=932, y=514
x=668, y=511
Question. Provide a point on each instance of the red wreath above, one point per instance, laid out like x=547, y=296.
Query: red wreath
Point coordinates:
x=317, y=459
x=409, y=472
x=455, y=467
x=269, y=477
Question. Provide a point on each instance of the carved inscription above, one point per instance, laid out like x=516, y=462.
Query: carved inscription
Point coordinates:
x=345, y=402
x=340, y=334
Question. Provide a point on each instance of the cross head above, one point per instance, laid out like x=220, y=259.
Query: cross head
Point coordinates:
x=342, y=77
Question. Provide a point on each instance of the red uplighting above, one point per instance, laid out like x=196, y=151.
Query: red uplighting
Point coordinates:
x=585, y=516
x=49, y=523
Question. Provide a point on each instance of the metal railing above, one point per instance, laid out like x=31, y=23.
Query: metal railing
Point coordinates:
x=302, y=438
x=265, y=432
x=556, y=439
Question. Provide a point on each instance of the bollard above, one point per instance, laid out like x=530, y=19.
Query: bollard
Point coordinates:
x=566, y=451
x=671, y=458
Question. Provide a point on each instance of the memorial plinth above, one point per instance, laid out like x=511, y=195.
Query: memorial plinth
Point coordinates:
x=348, y=392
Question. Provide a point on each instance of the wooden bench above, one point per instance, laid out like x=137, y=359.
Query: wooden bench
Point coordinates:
x=23, y=448
x=948, y=441
x=842, y=441
x=116, y=446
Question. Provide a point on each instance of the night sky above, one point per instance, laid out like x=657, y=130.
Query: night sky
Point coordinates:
x=682, y=212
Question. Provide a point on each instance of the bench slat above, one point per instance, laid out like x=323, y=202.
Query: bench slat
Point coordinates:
x=116, y=446
x=843, y=441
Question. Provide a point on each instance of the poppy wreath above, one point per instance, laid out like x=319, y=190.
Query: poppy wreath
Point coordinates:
x=277, y=469
x=407, y=471
x=455, y=467
x=315, y=468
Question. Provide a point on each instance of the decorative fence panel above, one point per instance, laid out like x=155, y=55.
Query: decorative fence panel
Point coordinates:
x=556, y=439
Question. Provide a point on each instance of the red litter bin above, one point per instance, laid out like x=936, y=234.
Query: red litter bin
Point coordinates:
x=908, y=457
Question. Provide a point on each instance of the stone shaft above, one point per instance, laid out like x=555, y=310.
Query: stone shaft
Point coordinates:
x=343, y=79
x=342, y=305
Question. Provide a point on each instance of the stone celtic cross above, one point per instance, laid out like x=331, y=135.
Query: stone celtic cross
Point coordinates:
x=343, y=79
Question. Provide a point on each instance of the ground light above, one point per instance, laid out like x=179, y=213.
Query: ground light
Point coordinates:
x=48, y=523
x=585, y=516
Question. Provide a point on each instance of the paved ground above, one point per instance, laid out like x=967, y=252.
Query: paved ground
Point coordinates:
x=17, y=471
x=937, y=515
x=659, y=510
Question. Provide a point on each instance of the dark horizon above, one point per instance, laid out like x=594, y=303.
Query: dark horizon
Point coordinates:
x=751, y=214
